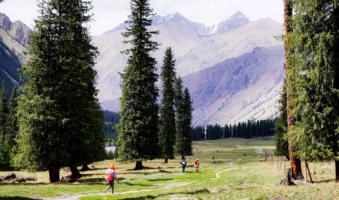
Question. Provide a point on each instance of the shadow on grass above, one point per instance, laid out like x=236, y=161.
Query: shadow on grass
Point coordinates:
x=322, y=181
x=141, y=198
x=164, y=171
x=95, y=168
x=92, y=174
x=91, y=180
x=161, y=179
x=170, y=167
x=138, y=173
x=138, y=184
x=146, y=168
x=147, y=197
x=16, y=198
x=87, y=180
x=26, y=183
x=189, y=172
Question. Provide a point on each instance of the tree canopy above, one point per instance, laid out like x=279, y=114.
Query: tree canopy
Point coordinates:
x=60, y=122
x=167, y=112
x=314, y=61
x=138, y=126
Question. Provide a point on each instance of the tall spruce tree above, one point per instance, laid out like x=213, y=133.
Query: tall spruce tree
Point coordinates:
x=315, y=58
x=178, y=102
x=4, y=153
x=3, y=109
x=187, y=122
x=290, y=90
x=4, y=137
x=167, y=112
x=138, y=125
x=12, y=127
x=280, y=127
x=58, y=111
x=183, y=106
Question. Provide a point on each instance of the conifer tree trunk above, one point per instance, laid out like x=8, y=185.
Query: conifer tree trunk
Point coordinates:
x=138, y=165
x=85, y=167
x=336, y=162
x=75, y=172
x=336, y=170
x=54, y=175
x=295, y=162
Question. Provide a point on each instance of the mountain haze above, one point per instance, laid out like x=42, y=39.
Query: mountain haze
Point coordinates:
x=199, y=51
x=238, y=89
x=233, y=70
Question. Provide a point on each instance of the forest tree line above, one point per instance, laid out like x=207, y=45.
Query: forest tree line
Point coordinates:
x=58, y=121
x=111, y=119
x=247, y=130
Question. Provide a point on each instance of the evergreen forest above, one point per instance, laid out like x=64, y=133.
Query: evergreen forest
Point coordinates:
x=53, y=120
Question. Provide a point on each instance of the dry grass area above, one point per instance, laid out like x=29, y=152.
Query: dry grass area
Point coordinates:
x=230, y=175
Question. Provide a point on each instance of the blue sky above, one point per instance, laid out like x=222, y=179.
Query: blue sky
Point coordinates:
x=109, y=13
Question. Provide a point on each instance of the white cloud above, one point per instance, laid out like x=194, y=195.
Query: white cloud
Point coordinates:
x=109, y=13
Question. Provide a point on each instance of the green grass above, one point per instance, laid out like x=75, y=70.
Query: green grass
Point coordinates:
x=230, y=175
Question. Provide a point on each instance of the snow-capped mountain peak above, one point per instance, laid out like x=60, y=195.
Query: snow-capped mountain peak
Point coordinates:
x=235, y=21
x=158, y=20
x=238, y=15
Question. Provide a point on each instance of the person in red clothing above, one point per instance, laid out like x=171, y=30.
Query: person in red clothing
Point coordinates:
x=196, y=165
x=111, y=175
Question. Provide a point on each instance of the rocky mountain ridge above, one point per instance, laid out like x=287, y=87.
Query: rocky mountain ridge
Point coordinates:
x=198, y=51
x=16, y=29
x=238, y=89
x=234, y=21
x=14, y=37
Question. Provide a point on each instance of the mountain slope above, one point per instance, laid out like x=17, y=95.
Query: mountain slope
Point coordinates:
x=258, y=33
x=18, y=30
x=9, y=66
x=195, y=47
x=235, y=21
x=14, y=37
x=177, y=32
x=238, y=89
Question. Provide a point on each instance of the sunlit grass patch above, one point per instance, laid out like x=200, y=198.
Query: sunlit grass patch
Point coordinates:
x=236, y=172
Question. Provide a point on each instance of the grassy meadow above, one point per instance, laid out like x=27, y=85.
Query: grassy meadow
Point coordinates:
x=230, y=175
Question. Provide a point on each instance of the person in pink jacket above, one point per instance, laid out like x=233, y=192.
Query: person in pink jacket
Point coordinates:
x=111, y=175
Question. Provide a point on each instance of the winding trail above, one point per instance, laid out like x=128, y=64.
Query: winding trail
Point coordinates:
x=217, y=174
x=164, y=186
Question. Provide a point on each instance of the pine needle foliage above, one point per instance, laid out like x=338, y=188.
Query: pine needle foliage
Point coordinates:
x=5, y=139
x=183, y=115
x=60, y=122
x=138, y=126
x=167, y=112
x=315, y=59
x=280, y=126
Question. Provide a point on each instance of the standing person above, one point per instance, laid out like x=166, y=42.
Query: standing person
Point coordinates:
x=196, y=165
x=183, y=163
x=111, y=175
